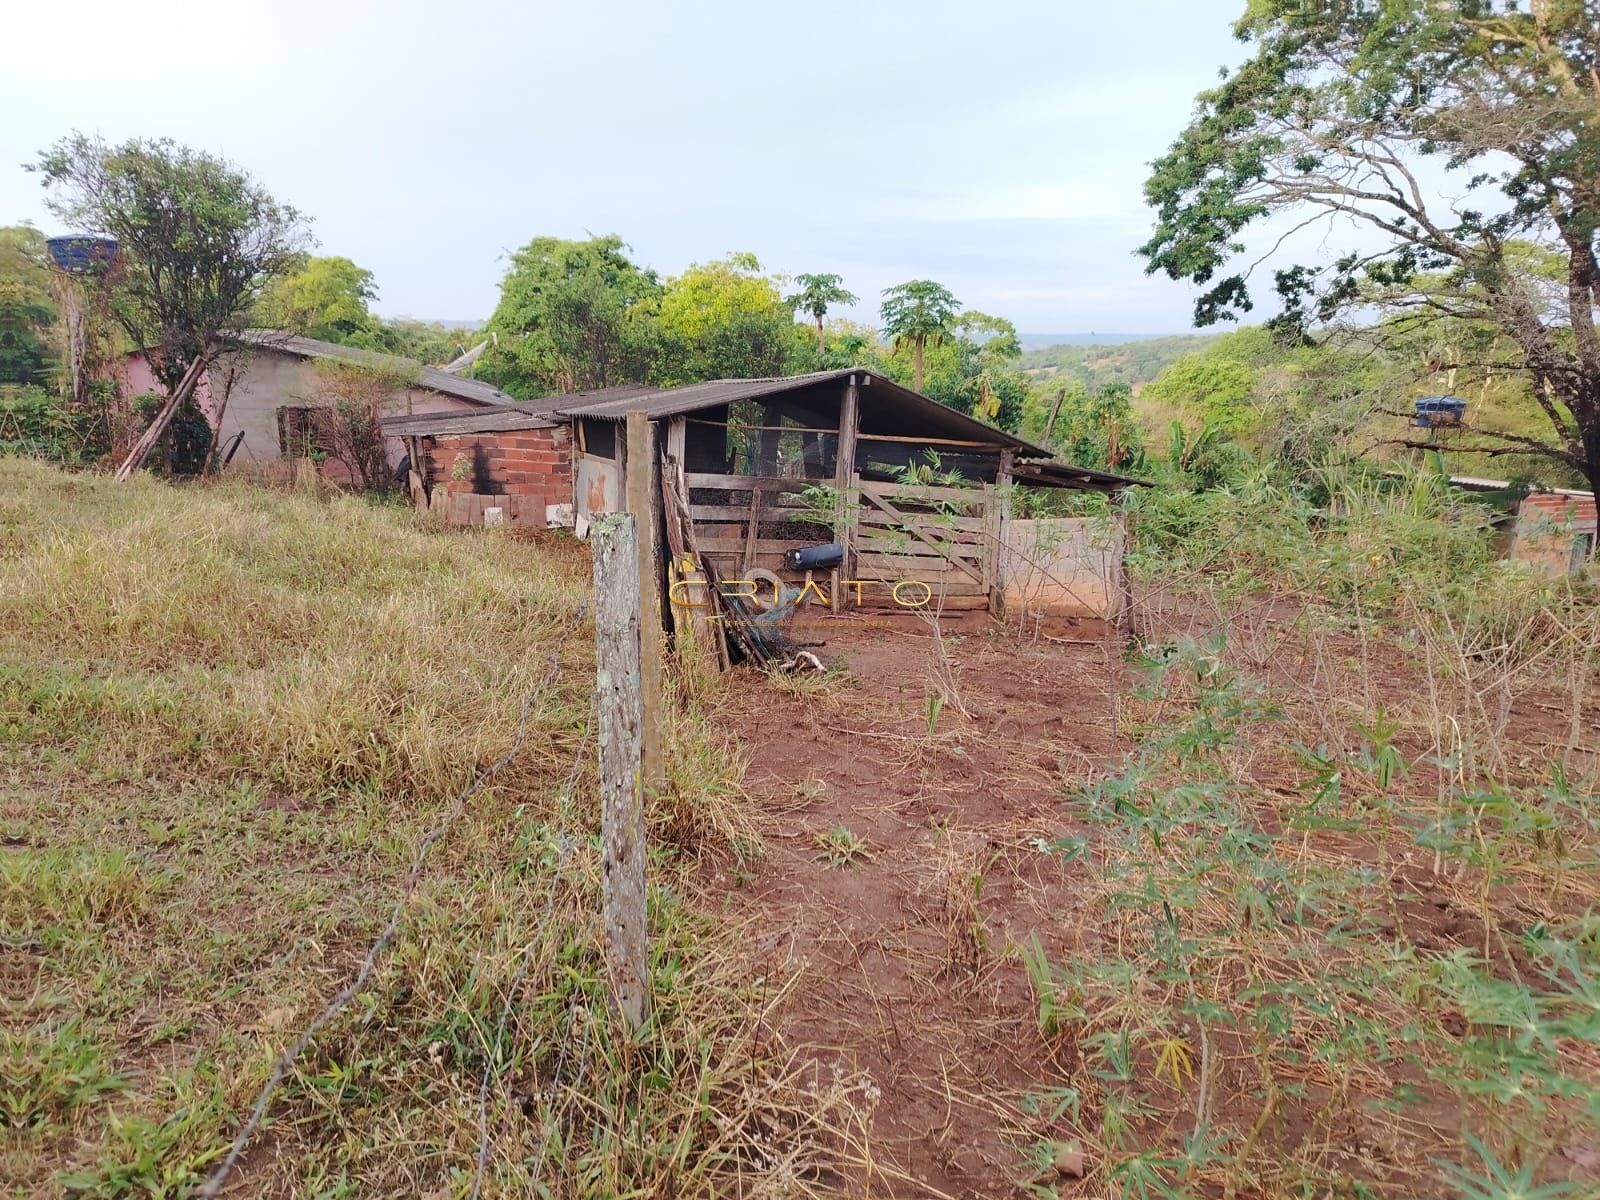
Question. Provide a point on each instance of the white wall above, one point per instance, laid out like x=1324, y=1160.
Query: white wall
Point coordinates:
x=1062, y=566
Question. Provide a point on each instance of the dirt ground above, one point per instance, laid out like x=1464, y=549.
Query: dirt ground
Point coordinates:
x=897, y=956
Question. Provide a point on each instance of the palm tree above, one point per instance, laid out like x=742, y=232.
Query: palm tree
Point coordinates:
x=919, y=313
x=816, y=294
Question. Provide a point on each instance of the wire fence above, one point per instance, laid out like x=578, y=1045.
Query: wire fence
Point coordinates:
x=285, y=1061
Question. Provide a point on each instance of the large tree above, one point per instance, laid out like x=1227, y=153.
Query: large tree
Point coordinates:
x=1351, y=112
x=573, y=315
x=918, y=314
x=817, y=294
x=199, y=239
x=724, y=319
x=324, y=297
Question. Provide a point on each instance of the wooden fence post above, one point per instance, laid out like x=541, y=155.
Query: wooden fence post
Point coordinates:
x=613, y=541
x=643, y=498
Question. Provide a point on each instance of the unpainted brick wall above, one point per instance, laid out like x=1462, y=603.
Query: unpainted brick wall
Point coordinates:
x=521, y=471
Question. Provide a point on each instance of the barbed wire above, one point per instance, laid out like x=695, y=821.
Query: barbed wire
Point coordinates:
x=286, y=1060
x=566, y=843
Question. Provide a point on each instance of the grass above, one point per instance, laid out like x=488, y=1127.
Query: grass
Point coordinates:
x=1341, y=931
x=841, y=848
x=237, y=713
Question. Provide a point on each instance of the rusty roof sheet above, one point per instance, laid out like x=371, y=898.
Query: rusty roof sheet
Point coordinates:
x=1050, y=473
x=498, y=419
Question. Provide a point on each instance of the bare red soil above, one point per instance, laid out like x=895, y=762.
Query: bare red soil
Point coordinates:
x=896, y=962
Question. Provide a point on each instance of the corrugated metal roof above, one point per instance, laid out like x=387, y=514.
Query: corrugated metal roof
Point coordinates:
x=1050, y=473
x=499, y=419
x=431, y=378
x=614, y=404
x=1034, y=464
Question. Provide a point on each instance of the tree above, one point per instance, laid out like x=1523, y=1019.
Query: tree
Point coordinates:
x=724, y=319
x=324, y=298
x=1098, y=430
x=816, y=295
x=918, y=313
x=972, y=370
x=199, y=237
x=26, y=308
x=347, y=402
x=573, y=316
x=1217, y=387
x=1331, y=117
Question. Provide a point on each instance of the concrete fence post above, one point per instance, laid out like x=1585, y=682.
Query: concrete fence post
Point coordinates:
x=613, y=542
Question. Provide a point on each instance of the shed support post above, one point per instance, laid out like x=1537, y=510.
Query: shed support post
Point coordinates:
x=1000, y=498
x=643, y=495
x=844, y=520
x=613, y=542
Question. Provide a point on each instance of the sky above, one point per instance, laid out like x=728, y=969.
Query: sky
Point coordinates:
x=999, y=148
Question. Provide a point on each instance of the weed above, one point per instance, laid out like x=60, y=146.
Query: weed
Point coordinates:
x=841, y=848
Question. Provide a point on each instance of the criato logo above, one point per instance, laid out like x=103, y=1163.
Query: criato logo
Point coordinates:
x=907, y=593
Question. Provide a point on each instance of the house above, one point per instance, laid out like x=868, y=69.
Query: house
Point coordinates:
x=271, y=388
x=1555, y=530
x=761, y=465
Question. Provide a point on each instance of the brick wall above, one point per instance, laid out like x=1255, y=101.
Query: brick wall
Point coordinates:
x=1552, y=530
x=522, y=472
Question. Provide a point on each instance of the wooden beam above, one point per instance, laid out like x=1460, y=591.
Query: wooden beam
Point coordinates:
x=641, y=503
x=926, y=441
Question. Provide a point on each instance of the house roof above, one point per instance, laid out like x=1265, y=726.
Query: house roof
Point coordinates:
x=431, y=378
x=881, y=396
x=498, y=418
x=1473, y=483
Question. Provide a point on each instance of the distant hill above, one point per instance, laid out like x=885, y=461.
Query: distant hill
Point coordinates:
x=1134, y=360
x=444, y=323
x=1044, y=341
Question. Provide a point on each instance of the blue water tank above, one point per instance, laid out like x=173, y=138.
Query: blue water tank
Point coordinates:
x=78, y=254
x=1440, y=411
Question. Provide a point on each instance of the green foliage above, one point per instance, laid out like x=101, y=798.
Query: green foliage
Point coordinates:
x=918, y=314
x=26, y=308
x=323, y=298
x=572, y=316
x=43, y=424
x=1328, y=118
x=1216, y=387
x=199, y=239
x=817, y=294
x=1132, y=363
x=724, y=319
x=1099, y=431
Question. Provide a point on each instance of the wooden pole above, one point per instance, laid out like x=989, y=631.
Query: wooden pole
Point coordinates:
x=844, y=474
x=1055, y=411
x=614, y=544
x=642, y=499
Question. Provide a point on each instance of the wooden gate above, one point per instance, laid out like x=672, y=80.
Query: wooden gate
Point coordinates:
x=943, y=537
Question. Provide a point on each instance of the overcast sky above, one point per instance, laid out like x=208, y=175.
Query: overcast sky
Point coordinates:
x=997, y=147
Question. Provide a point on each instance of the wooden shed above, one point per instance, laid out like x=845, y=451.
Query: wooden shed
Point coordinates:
x=911, y=489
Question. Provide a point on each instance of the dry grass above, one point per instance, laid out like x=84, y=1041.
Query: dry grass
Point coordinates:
x=238, y=711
